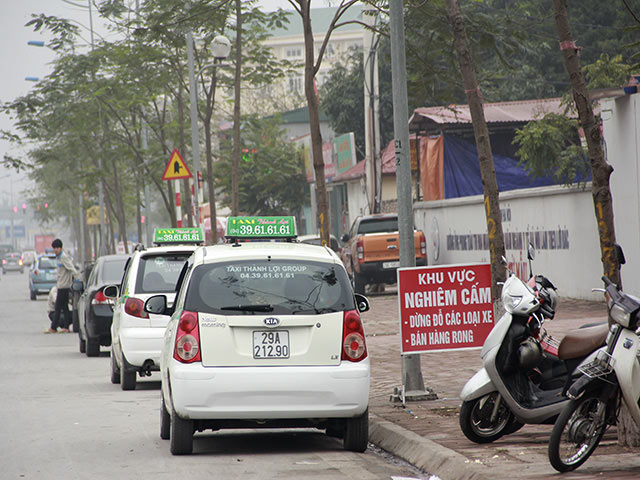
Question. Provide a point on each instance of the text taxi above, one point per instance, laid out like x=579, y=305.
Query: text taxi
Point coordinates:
x=137, y=336
x=264, y=334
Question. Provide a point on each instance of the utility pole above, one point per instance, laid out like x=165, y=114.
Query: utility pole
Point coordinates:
x=412, y=382
x=372, y=111
x=195, y=142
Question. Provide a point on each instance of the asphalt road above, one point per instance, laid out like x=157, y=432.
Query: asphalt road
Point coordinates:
x=61, y=418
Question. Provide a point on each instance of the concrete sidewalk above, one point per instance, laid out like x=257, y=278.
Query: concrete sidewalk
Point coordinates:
x=427, y=434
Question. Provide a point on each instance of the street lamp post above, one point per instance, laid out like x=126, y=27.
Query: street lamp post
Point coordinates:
x=220, y=48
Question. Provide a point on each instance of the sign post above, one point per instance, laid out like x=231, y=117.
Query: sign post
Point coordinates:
x=177, y=169
x=444, y=307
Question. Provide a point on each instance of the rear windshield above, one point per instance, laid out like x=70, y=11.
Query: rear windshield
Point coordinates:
x=112, y=270
x=378, y=226
x=47, y=262
x=283, y=287
x=13, y=256
x=159, y=273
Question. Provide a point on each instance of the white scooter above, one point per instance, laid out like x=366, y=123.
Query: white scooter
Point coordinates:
x=613, y=377
x=524, y=378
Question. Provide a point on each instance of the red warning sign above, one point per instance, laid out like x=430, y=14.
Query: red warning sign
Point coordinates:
x=444, y=307
x=176, y=168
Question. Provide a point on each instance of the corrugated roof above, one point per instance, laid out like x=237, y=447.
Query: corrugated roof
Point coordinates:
x=357, y=171
x=501, y=112
x=320, y=21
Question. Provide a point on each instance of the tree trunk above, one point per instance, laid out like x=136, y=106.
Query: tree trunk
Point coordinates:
x=628, y=431
x=601, y=170
x=235, y=187
x=483, y=144
x=314, y=124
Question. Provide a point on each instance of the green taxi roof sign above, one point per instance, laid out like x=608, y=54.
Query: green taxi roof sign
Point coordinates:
x=163, y=236
x=261, y=227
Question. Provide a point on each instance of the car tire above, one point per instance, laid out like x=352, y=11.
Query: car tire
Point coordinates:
x=165, y=420
x=181, y=436
x=356, y=433
x=32, y=295
x=127, y=377
x=115, y=371
x=358, y=284
x=93, y=347
x=75, y=321
x=82, y=344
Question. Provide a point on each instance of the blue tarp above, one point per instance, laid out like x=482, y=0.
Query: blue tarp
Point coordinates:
x=461, y=171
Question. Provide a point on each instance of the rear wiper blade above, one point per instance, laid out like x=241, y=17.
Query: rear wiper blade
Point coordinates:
x=250, y=308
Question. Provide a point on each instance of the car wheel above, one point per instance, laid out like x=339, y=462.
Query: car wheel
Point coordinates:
x=115, y=371
x=32, y=295
x=358, y=284
x=127, y=377
x=356, y=433
x=82, y=345
x=93, y=347
x=181, y=435
x=165, y=420
x=75, y=321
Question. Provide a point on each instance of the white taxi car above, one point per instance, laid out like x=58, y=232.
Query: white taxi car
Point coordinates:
x=137, y=336
x=264, y=334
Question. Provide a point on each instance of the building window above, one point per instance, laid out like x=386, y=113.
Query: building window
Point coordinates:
x=295, y=83
x=294, y=52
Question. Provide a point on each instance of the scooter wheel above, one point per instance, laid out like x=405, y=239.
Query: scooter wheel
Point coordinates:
x=476, y=423
x=577, y=432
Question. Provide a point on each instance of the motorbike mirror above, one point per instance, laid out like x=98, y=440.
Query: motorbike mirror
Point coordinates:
x=619, y=254
x=531, y=252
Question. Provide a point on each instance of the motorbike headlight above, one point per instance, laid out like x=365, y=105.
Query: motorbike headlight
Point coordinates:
x=511, y=302
x=620, y=315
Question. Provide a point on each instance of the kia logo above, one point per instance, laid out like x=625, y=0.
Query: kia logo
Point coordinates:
x=271, y=322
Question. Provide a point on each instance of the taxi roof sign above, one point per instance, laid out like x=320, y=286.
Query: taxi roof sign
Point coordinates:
x=261, y=227
x=178, y=235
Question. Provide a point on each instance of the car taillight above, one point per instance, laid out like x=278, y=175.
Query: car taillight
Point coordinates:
x=35, y=272
x=135, y=307
x=187, y=349
x=354, y=347
x=360, y=250
x=100, y=299
x=4, y=261
x=423, y=245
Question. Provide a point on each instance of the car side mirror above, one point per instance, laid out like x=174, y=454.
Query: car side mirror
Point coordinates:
x=110, y=291
x=345, y=237
x=156, y=304
x=77, y=286
x=362, y=303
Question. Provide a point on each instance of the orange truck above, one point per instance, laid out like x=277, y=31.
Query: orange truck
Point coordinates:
x=371, y=252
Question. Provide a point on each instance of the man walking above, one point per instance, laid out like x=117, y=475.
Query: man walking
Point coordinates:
x=66, y=272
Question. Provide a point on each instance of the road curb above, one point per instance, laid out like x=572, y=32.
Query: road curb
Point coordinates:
x=423, y=453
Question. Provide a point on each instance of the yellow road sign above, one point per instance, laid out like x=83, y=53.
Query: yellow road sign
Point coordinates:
x=176, y=168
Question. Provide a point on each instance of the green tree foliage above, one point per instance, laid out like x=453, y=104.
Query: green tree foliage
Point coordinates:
x=551, y=146
x=272, y=177
x=342, y=96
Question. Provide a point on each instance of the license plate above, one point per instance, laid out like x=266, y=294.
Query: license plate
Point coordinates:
x=395, y=264
x=270, y=344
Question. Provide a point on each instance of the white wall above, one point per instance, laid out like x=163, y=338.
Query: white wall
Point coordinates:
x=561, y=222
x=620, y=127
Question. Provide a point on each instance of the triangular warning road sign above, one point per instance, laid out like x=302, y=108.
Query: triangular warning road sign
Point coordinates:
x=176, y=168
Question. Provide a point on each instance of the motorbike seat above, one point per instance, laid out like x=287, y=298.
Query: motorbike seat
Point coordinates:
x=581, y=342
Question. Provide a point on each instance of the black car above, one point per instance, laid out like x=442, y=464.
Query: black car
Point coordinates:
x=95, y=311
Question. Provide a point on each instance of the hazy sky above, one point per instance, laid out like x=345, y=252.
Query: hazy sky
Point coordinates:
x=20, y=60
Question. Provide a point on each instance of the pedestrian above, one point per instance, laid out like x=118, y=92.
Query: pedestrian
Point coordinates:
x=66, y=272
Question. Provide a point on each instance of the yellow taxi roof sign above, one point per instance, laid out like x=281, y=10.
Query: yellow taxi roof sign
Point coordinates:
x=176, y=168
